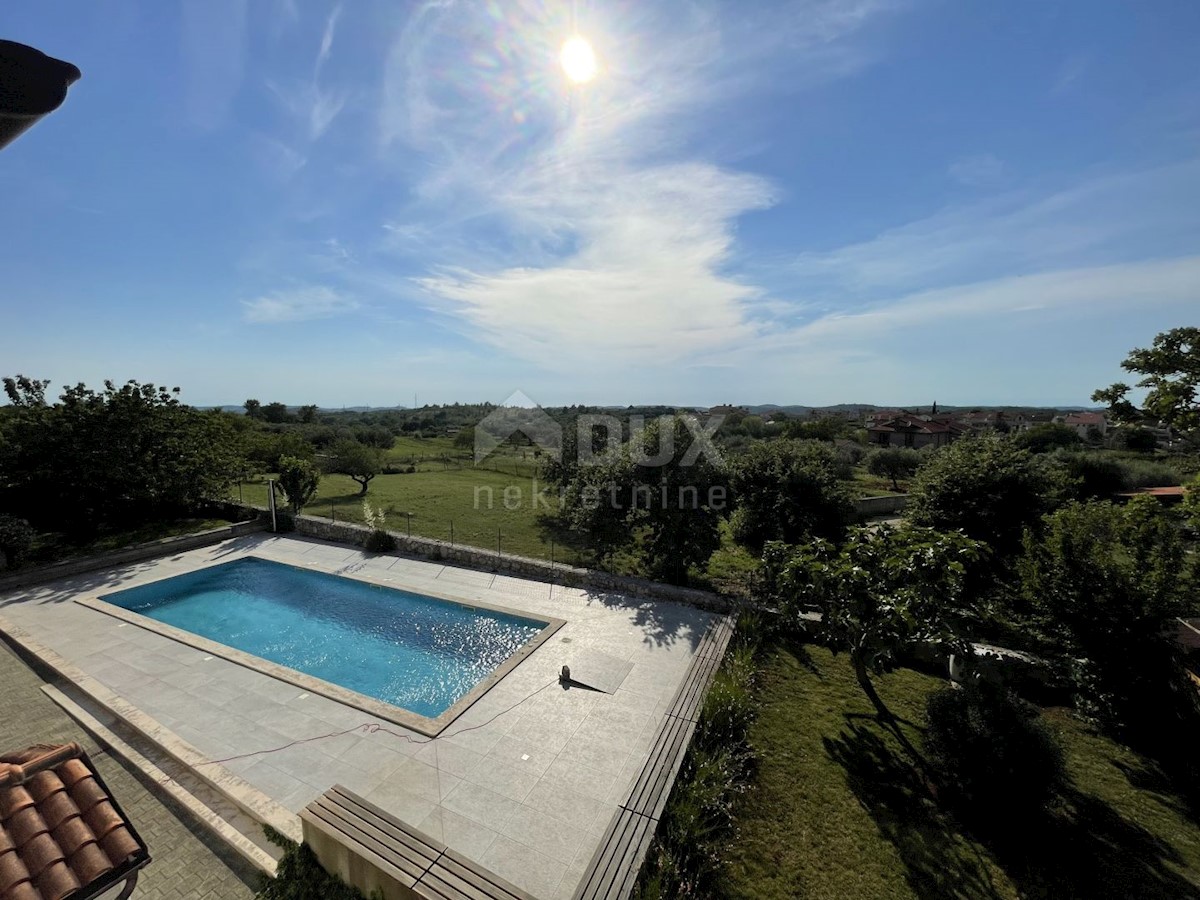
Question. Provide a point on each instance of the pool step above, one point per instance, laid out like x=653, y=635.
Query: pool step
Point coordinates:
x=218, y=813
x=153, y=741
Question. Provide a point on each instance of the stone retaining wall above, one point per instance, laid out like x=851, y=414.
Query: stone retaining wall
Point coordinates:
x=881, y=506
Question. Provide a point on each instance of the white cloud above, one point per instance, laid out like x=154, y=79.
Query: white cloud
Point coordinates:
x=299, y=305
x=1110, y=218
x=982, y=170
x=616, y=232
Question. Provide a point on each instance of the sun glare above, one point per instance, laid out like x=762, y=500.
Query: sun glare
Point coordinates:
x=578, y=60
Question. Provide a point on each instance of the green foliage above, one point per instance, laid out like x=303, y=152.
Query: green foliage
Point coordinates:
x=827, y=428
x=266, y=448
x=1047, y=436
x=1105, y=583
x=894, y=463
x=301, y=877
x=989, y=489
x=360, y=462
x=992, y=751
x=1191, y=503
x=16, y=539
x=1097, y=475
x=668, y=513
x=1171, y=372
x=378, y=540
x=1139, y=440
x=788, y=491
x=299, y=480
x=883, y=592
x=111, y=458
x=692, y=838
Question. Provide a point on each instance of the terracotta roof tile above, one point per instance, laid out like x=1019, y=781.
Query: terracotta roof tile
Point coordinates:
x=61, y=834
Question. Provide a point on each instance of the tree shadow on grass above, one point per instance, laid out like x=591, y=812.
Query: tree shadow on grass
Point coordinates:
x=938, y=863
x=1081, y=848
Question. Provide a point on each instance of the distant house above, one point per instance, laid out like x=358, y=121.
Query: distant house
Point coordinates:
x=1084, y=422
x=907, y=430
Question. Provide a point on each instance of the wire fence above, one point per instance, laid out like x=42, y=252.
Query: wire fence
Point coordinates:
x=467, y=531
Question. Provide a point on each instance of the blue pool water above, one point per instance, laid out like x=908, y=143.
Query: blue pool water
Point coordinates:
x=405, y=649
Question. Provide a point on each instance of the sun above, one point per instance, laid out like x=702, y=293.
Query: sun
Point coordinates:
x=578, y=60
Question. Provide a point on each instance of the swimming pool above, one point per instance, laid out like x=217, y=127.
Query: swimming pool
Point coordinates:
x=416, y=652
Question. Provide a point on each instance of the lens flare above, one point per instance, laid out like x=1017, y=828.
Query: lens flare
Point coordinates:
x=578, y=60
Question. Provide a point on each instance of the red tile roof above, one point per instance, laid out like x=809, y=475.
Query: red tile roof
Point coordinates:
x=1084, y=419
x=62, y=835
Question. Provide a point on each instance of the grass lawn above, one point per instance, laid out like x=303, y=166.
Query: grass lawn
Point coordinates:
x=835, y=810
x=53, y=547
x=473, y=499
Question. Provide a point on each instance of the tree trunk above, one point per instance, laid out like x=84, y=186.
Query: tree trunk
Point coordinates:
x=363, y=483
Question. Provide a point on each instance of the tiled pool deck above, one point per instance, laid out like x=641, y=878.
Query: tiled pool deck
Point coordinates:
x=525, y=782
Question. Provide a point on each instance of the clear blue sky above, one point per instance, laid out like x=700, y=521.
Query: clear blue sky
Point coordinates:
x=890, y=201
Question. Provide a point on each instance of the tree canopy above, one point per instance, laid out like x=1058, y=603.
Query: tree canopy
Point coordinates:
x=299, y=480
x=360, y=462
x=1170, y=370
x=989, y=489
x=113, y=457
x=894, y=463
x=659, y=495
x=788, y=491
x=884, y=591
x=1105, y=583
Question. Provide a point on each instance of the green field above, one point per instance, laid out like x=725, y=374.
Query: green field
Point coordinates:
x=472, y=499
x=836, y=810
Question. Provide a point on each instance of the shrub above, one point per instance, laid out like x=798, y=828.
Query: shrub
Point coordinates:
x=688, y=848
x=378, y=541
x=1047, y=436
x=1143, y=473
x=16, y=539
x=992, y=749
x=1098, y=476
x=301, y=877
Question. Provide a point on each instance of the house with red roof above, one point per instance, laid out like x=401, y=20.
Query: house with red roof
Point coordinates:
x=908, y=430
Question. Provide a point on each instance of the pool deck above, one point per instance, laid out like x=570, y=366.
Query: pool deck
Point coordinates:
x=525, y=782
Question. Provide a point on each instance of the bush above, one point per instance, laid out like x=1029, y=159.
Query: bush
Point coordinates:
x=992, y=750
x=1047, y=436
x=380, y=542
x=688, y=848
x=16, y=539
x=1143, y=474
x=1098, y=475
x=301, y=877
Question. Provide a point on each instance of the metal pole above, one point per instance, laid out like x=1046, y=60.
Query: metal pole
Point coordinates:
x=552, y=553
x=497, y=542
x=240, y=500
x=332, y=511
x=271, y=500
x=409, y=524
x=451, y=532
